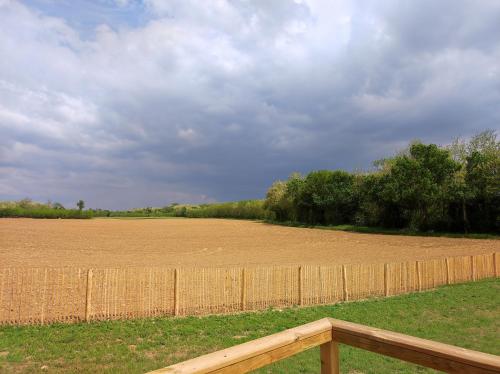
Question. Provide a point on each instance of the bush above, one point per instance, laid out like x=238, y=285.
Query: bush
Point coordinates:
x=19, y=212
x=248, y=209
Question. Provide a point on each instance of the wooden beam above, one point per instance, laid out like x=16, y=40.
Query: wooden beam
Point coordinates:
x=423, y=352
x=257, y=353
x=277, y=354
x=330, y=360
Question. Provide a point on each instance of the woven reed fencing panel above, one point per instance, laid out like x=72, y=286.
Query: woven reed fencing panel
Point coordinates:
x=36, y=295
x=321, y=285
x=130, y=293
x=47, y=295
x=208, y=290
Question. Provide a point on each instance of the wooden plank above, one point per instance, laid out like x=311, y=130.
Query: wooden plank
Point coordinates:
x=330, y=360
x=271, y=348
x=424, y=352
x=278, y=354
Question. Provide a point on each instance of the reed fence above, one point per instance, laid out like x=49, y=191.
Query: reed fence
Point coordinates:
x=47, y=295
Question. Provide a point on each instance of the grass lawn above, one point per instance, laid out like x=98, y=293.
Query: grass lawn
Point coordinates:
x=466, y=315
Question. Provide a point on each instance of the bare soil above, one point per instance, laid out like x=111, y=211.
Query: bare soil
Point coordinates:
x=208, y=242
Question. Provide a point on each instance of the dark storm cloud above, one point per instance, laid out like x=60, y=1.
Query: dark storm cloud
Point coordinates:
x=152, y=102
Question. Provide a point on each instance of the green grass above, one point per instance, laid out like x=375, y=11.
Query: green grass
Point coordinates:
x=467, y=315
x=386, y=231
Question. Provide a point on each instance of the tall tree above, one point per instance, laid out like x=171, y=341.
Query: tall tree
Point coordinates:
x=80, y=204
x=420, y=183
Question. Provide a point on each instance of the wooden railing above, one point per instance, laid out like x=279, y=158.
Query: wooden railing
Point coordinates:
x=328, y=333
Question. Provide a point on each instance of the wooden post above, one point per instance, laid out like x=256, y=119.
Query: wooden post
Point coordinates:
x=472, y=268
x=44, y=292
x=330, y=361
x=243, y=289
x=176, y=292
x=495, y=267
x=301, y=291
x=386, y=279
x=344, y=283
x=88, y=303
x=419, y=276
x=448, y=278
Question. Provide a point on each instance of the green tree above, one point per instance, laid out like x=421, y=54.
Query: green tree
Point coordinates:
x=25, y=203
x=371, y=211
x=330, y=196
x=477, y=185
x=80, y=204
x=294, y=190
x=277, y=201
x=419, y=184
x=57, y=205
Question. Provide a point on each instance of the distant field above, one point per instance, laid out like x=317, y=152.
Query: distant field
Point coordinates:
x=208, y=242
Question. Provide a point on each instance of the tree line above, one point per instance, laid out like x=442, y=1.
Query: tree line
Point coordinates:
x=31, y=209
x=423, y=188
x=245, y=209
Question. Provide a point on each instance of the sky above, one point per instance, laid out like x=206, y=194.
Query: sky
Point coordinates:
x=132, y=103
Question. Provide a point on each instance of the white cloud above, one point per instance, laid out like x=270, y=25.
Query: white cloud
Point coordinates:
x=188, y=135
x=185, y=97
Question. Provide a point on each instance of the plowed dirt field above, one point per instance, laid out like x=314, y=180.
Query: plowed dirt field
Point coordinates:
x=207, y=242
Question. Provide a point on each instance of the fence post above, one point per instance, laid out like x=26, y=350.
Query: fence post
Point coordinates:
x=243, y=289
x=344, y=283
x=301, y=291
x=495, y=267
x=88, y=302
x=44, y=292
x=419, y=277
x=448, y=278
x=329, y=355
x=472, y=268
x=386, y=279
x=176, y=292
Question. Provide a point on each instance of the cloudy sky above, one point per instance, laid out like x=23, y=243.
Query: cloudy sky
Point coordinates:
x=130, y=103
